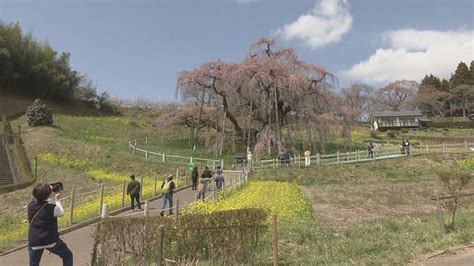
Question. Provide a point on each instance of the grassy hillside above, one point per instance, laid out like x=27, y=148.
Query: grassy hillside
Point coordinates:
x=83, y=151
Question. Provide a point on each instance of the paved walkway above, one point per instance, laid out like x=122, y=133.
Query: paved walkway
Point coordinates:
x=80, y=241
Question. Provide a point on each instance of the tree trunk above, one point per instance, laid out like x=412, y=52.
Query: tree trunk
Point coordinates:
x=223, y=133
x=200, y=114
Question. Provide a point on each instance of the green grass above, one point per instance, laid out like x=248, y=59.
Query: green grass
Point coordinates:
x=82, y=151
x=377, y=242
x=375, y=213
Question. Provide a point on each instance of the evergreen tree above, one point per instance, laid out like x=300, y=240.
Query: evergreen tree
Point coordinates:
x=471, y=69
x=430, y=81
x=462, y=76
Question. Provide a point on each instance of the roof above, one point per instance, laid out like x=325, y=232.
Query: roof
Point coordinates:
x=401, y=113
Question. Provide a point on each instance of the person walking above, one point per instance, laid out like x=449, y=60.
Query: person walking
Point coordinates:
x=219, y=178
x=43, y=226
x=167, y=188
x=133, y=189
x=204, y=182
x=194, y=177
x=307, y=159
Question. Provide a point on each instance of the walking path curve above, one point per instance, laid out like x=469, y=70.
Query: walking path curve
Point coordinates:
x=80, y=241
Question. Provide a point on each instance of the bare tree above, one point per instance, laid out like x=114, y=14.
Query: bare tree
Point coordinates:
x=397, y=96
x=432, y=101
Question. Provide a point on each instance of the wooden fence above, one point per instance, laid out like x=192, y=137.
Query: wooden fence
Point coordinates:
x=133, y=147
x=359, y=156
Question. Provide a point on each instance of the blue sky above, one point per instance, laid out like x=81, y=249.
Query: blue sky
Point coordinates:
x=134, y=49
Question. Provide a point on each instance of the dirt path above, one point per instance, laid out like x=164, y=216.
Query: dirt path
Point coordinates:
x=460, y=256
x=80, y=241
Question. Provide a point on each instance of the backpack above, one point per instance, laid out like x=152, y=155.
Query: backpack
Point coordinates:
x=166, y=187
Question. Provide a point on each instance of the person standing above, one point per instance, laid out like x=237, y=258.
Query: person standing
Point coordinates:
x=370, y=151
x=204, y=182
x=133, y=189
x=307, y=159
x=194, y=177
x=219, y=178
x=167, y=188
x=43, y=226
x=249, y=158
x=407, y=147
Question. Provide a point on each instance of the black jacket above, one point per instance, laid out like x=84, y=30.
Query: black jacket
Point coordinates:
x=133, y=188
x=44, y=229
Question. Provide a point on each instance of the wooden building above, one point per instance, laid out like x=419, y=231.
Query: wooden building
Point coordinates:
x=396, y=120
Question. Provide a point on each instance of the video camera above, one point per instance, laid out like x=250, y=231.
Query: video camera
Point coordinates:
x=57, y=187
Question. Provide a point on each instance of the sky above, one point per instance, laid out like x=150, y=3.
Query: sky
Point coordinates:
x=135, y=49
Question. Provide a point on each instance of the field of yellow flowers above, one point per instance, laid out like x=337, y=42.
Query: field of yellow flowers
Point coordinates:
x=279, y=198
x=86, y=206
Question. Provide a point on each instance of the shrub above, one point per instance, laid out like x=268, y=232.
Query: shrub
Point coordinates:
x=404, y=130
x=39, y=114
x=225, y=238
x=392, y=133
x=374, y=134
x=454, y=182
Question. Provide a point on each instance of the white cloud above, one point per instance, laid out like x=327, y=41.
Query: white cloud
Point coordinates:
x=412, y=54
x=325, y=24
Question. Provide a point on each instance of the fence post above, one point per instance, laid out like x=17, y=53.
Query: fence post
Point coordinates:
x=154, y=191
x=337, y=154
x=164, y=157
x=177, y=210
x=299, y=161
x=101, y=197
x=177, y=176
x=134, y=150
x=440, y=215
x=36, y=166
x=387, y=153
x=135, y=142
x=141, y=188
x=105, y=211
x=71, y=212
x=147, y=208
x=222, y=164
x=159, y=255
x=318, y=159
x=123, y=193
x=146, y=153
x=275, y=240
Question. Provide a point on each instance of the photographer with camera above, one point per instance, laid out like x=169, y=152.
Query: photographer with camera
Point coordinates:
x=43, y=224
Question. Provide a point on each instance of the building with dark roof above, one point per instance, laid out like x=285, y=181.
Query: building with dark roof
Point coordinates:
x=396, y=120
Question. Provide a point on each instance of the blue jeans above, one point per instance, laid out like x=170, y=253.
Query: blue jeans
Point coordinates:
x=59, y=249
x=167, y=197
